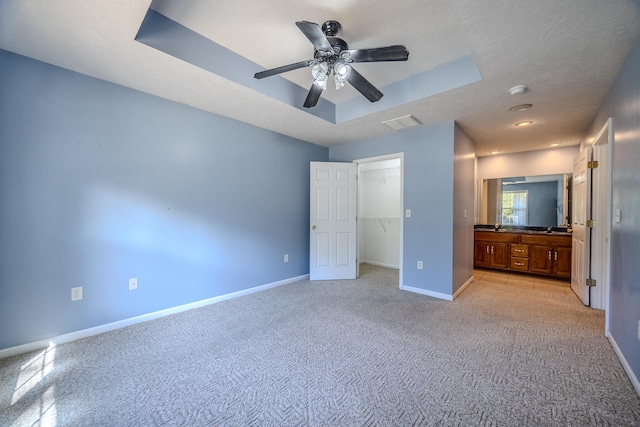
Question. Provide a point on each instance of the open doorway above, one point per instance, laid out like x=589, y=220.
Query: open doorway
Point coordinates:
x=380, y=211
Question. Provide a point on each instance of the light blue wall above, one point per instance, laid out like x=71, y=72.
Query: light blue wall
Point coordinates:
x=623, y=105
x=428, y=192
x=463, y=200
x=100, y=183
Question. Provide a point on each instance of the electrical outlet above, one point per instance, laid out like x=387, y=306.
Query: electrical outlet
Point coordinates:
x=76, y=293
x=286, y=257
x=420, y=265
x=133, y=283
x=407, y=213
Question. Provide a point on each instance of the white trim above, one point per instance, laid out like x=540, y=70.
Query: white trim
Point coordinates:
x=625, y=364
x=84, y=333
x=463, y=287
x=380, y=264
x=433, y=294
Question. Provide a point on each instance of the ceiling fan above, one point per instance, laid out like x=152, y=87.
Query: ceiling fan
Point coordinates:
x=332, y=56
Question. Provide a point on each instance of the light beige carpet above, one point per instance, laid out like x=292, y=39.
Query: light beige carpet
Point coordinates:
x=510, y=351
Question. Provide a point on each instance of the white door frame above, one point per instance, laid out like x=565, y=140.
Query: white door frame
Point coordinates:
x=401, y=207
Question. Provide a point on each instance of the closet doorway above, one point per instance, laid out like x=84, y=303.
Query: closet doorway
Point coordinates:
x=380, y=211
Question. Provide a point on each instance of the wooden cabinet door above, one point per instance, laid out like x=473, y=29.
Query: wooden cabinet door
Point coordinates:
x=540, y=259
x=481, y=254
x=499, y=256
x=562, y=262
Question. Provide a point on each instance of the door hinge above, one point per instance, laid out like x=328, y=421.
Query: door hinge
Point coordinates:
x=592, y=164
x=590, y=282
x=592, y=223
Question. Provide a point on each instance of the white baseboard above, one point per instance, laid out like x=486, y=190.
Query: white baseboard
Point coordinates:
x=72, y=336
x=428, y=293
x=625, y=364
x=463, y=287
x=380, y=264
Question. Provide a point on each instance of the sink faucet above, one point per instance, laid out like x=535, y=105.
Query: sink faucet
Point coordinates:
x=497, y=227
x=548, y=229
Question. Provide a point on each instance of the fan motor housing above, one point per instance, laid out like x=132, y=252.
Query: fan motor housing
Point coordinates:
x=338, y=46
x=331, y=28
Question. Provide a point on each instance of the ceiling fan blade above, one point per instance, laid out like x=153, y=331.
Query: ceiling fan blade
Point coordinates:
x=285, y=68
x=313, y=96
x=379, y=54
x=363, y=86
x=315, y=35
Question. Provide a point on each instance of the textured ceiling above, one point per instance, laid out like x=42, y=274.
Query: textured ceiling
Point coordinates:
x=568, y=53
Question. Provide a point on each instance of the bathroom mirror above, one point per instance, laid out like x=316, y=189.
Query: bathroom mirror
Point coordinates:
x=542, y=200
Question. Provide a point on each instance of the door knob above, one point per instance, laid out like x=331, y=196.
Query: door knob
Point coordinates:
x=314, y=227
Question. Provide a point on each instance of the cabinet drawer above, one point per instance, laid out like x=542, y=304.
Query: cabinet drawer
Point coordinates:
x=520, y=251
x=520, y=264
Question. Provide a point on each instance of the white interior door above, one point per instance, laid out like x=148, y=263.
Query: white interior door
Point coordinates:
x=601, y=211
x=332, y=251
x=580, y=250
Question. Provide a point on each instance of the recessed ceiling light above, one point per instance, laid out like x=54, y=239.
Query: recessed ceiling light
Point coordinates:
x=521, y=107
x=494, y=152
x=517, y=90
x=523, y=124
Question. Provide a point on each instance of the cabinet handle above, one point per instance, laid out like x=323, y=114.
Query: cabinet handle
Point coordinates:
x=519, y=250
x=549, y=254
x=555, y=256
x=519, y=264
x=492, y=249
x=487, y=248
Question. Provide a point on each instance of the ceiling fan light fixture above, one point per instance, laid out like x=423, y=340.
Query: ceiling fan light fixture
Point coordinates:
x=342, y=71
x=320, y=73
x=322, y=83
x=331, y=55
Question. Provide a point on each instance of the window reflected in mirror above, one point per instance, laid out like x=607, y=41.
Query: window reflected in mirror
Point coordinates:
x=542, y=200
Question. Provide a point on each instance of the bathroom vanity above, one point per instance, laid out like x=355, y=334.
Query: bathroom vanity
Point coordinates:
x=524, y=251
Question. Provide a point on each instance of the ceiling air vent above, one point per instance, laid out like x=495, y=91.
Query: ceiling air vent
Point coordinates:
x=403, y=122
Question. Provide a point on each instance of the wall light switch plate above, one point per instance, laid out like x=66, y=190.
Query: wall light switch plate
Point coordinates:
x=286, y=257
x=617, y=216
x=420, y=265
x=133, y=283
x=408, y=213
